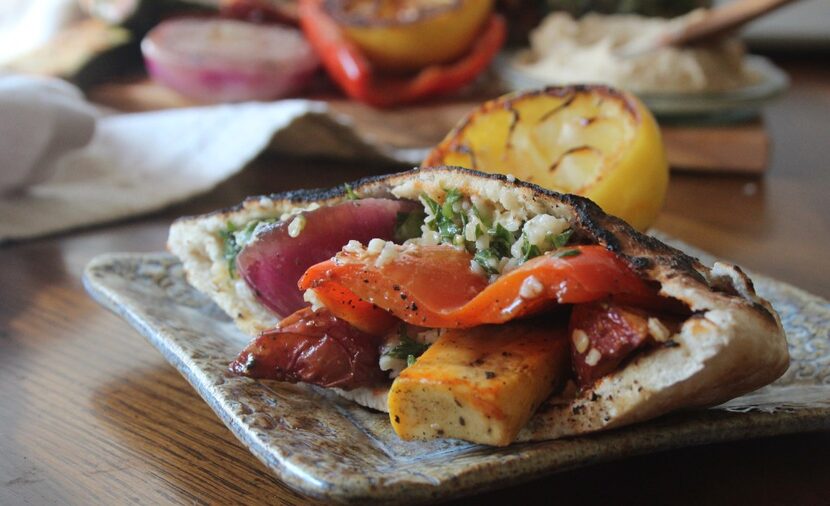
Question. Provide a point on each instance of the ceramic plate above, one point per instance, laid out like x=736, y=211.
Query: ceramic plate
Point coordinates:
x=324, y=446
x=716, y=107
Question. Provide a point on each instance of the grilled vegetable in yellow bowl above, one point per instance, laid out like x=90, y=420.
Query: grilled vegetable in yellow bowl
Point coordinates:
x=407, y=35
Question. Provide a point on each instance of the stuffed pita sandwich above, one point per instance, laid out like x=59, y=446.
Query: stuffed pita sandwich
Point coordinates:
x=479, y=307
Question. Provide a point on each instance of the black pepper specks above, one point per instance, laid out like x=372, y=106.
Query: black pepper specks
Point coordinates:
x=489, y=375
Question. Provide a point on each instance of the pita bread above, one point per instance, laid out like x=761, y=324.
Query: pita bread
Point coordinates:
x=732, y=344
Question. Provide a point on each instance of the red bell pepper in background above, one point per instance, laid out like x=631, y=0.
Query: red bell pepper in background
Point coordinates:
x=355, y=75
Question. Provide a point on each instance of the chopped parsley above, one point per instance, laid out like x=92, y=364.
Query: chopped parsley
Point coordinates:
x=482, y=217
x=453, y=196
x=235, y=239
x=408, y=349
x=232, y=248
x=350, y=193
x=529, y=250
x=434, y=208
x=408, y=225
x=446, y=222
x=561, y=239
x=501, y=240
x=488, y=260
x=450, y=222
x=557, y=241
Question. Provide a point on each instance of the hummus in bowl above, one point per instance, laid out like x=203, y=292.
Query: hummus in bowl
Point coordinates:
x=606, y=49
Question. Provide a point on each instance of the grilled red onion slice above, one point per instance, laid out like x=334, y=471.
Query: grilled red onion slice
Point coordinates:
x=273, y=263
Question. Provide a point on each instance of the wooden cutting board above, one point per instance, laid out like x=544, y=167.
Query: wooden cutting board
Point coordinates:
x=741, y=148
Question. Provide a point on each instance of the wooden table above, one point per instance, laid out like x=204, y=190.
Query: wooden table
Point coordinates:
x=90, y=413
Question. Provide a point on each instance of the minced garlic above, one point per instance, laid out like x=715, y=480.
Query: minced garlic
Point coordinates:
x=531, y=288
x=593, y=356
x=375, y=246
x=353, y=247
x=658, y=331
x=580, y=340
x=310, y=296
x=296, y=226
x=387, y=254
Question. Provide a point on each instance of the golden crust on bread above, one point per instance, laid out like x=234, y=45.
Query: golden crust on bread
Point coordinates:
x=733, y=342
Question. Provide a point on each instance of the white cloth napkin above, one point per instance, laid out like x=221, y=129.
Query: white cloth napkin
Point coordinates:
x=28, y=24
x=141, y=162
x=40, y=120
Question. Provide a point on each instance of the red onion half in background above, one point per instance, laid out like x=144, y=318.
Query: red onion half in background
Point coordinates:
x=225, y=60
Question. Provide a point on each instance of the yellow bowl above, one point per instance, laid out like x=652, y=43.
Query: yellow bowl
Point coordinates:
x=407, y=35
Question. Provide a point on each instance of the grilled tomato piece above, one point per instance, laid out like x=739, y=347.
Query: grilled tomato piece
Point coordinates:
x=593, y=141
x=407, y=35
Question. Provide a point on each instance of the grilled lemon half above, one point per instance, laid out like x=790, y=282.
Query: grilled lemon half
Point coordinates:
x=593, y=141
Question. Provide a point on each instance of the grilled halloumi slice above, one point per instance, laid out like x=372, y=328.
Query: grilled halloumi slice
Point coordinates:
x=480, y=384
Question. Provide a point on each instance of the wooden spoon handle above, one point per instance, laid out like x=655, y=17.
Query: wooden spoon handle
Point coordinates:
x=721, y=19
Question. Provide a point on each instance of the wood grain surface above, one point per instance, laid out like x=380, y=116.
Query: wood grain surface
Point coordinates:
x=90, y=413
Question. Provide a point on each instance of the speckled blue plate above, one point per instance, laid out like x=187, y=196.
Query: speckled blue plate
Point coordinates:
x=324, y=446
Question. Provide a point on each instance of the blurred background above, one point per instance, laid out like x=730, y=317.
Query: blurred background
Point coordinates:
x=26, y=25
x=87, y=85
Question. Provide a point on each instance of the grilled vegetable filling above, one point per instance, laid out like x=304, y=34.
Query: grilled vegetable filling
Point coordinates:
x=476, y=313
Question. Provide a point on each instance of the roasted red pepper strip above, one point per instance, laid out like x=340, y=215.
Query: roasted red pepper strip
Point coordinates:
x=433, y=286
x=362, y=315
x=606, y=333
x=350, y=69
x=313, y=347
x=603, y=334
